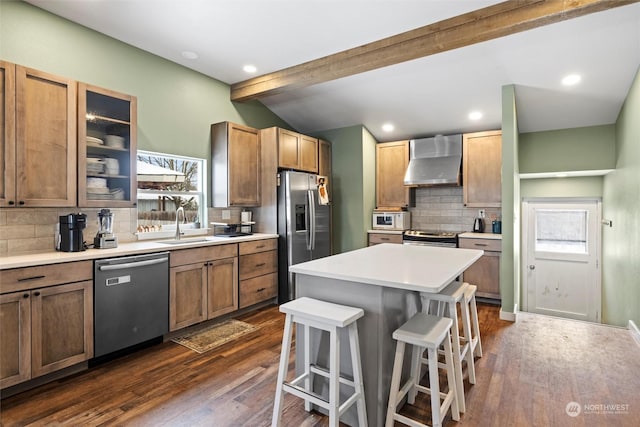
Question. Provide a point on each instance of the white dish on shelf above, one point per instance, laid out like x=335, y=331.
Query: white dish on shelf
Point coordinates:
x=94, y=141
x=96, y=183
x=114, y=141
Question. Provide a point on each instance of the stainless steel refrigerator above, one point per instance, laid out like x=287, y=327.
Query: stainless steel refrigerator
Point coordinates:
x=303, y=225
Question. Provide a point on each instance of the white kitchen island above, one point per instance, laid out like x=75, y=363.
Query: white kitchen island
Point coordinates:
x=385, y=281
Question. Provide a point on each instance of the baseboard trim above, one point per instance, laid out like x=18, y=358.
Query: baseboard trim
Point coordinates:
x=635, y=332
x=505, y=315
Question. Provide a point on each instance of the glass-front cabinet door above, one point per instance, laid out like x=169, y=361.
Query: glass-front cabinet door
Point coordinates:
x=106, y=148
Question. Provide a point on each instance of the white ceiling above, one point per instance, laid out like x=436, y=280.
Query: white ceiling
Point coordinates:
x=423, y=97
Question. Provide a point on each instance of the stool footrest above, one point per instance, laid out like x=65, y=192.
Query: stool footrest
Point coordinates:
x=310, y=396
x=325, y=373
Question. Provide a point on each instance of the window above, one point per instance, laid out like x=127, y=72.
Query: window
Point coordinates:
x=560, y=230
x=166, y=182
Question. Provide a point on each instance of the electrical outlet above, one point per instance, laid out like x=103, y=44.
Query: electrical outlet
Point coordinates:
x=226, y=214
x=481, y=213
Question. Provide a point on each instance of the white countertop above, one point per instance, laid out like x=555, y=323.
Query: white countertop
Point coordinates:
x=480, y=236
x=409, y=267
x=140, y=247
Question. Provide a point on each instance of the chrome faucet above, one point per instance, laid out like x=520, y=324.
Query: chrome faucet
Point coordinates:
x=180, y=209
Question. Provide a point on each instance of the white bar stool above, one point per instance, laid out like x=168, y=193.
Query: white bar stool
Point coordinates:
x=430, y=332
x=447, y=301
x=470, y=301
x=313, y=313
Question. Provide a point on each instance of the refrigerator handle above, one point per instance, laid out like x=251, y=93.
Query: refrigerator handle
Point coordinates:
x=312, y=220
x=307, y=222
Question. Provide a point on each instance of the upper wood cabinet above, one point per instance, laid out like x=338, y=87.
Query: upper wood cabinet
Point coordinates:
x=39, y=154
x=8, y=134
x=107, y=144
x=482, y=169
x=392, y=159
x=295, y=151
x=235, y=158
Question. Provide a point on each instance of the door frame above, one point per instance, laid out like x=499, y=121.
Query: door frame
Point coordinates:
x=524, y=245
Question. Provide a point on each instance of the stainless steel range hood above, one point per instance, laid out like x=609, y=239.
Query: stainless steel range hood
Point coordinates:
x=434, y=161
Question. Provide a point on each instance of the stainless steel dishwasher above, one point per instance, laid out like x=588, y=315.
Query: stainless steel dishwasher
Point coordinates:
x=131, y=301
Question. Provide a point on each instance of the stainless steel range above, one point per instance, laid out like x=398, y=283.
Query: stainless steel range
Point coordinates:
x=430, y=238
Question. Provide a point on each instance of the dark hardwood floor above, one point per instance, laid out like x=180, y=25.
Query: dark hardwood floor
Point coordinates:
x=530, y=371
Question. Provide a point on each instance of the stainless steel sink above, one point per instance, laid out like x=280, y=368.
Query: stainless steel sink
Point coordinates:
x=182, y=241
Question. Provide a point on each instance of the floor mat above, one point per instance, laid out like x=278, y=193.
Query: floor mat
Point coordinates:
x=215, y=335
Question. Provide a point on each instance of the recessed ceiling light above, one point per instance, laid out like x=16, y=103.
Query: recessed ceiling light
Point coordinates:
x=388, y=127
x=249, y=69
x=571, y=79
x=189, y=55
x=475, y=115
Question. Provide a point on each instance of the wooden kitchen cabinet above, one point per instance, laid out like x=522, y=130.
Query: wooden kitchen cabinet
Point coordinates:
x=258, y=271
x=45, y=329
x=39, y=153
x=107, y=137
x=392, y=159
x=295, y=151
x=377, y=238
x=482, y=169
x=236, y=165
x=485, y=272
x=203, y=284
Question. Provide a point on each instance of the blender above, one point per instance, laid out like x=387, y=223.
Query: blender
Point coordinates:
x=105, y=238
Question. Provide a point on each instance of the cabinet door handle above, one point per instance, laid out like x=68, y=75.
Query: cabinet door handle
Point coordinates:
x=262, y=264
x=36, y=293
x=25, y=296
x=481, y=244
x=26, y=279
x=261, y=289
x=21, y=202
x=260, y=247
x=384, y=238
x=11, y=203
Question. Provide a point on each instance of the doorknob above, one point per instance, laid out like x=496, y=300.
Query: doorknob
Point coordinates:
x=532, y=267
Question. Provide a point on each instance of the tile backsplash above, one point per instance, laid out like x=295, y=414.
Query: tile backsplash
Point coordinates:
x=33, y=229
x=442, y=209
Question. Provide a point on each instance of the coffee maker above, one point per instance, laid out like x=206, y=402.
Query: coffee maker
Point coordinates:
x=105, y=238
x=70, y=237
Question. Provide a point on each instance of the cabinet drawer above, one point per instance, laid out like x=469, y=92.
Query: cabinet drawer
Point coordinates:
x=258, y=264
x=258, y=246
x=20, y=279
x=375, y=238
x=493, y=245
x=258, y=289
x=208, y=253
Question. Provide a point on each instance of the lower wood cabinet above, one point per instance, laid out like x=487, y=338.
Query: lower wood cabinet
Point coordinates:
x=377, y=238
x=484, y=273
x=45, y=329
x=258, y=271
x=203, y=284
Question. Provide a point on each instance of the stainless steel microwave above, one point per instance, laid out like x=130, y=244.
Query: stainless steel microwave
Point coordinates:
x=391, y=220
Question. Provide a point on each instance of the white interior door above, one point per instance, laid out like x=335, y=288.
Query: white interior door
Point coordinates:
x=561, y=253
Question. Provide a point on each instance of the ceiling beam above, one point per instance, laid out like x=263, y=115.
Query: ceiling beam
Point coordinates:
x=489, y=23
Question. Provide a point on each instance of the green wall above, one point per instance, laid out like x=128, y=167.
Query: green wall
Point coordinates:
x=353, y=162
x=176, y=106
x=579, y=149
x=510, y=258
x=621, y=204
x=586, y=186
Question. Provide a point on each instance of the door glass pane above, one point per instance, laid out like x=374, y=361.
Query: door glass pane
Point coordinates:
x=561, y=230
